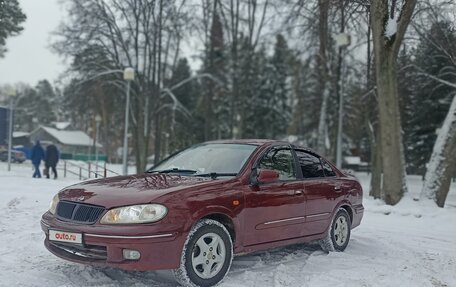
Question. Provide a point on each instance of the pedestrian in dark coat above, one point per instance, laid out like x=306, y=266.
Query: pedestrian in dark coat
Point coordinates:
x=51, y=159
x=37, y=156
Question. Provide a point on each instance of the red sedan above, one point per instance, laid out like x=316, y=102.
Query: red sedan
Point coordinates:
x=197, y=209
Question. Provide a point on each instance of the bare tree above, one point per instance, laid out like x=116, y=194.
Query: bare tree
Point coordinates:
x=132, y=33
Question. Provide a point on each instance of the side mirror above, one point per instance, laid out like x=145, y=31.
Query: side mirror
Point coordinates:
x=267, y=175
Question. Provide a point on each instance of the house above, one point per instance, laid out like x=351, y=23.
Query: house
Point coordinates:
x=21, y=139
x=69, y=142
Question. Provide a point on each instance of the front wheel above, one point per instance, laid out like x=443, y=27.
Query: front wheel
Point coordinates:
x=207, y=255
x=338, y=234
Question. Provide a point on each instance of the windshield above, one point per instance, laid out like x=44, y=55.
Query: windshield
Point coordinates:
x=209, y=158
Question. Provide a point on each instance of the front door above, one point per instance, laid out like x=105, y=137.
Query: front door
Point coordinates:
x=275, y=211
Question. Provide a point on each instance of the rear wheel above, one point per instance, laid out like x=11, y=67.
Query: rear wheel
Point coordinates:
x=207, y=255
x=338, y=234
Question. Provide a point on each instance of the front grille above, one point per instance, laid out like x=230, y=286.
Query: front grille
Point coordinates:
x=78, y=212
x=87, y=251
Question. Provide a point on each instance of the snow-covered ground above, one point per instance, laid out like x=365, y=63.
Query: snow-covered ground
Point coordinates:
x=411, y=244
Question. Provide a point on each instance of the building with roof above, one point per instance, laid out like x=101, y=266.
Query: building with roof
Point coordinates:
x=69, y=142
x=62, y=125
x=21, y=139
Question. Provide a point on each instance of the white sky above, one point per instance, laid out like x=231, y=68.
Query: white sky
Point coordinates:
x=29, y=58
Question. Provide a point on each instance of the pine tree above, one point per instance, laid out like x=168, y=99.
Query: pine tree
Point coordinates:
x=280, y=87
x=248, y=65
x=46, y=109
x=36, y=107
x=265, y=94
x=427, y=101
x=309, y=101
x=182, y=130
x=213, y=107
x=11, y=18
x=90, y=94
x=25, y=119
x=410, y=106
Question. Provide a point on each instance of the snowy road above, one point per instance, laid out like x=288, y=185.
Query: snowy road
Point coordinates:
x=411, y=244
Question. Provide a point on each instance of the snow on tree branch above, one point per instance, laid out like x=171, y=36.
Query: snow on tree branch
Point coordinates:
x=394, y=11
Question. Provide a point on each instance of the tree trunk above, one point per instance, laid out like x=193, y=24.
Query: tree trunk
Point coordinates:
x=157, y=141
x=373, y=126
x=235, y=18
x=442, y=165
x=390, y=127
x=139, y=151
x=323, y=74
x=321, y=134
x=376, y=162
x=386, y=48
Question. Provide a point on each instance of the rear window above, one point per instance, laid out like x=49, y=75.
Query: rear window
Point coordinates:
x=311, y=166
x=328, y=169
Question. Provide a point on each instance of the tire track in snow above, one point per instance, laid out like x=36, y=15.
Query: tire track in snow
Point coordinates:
x=270, y=268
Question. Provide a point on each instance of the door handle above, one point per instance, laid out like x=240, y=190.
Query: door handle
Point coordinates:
x=337, y=189
x=299, y=192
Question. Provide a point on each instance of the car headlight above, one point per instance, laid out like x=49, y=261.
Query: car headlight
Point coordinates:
x=53, y=204
x=144, y=213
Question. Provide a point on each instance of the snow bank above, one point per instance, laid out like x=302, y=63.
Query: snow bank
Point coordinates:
x=410, y=244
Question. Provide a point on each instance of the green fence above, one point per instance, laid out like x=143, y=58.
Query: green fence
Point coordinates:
x=82, y=157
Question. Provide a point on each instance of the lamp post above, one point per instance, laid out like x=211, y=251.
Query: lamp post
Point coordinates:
x=129, y=75
x=10, y=127
x=97, y=121
x=342, y=40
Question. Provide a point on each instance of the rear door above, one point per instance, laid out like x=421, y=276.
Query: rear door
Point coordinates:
x=321, y=188
x=275, y=211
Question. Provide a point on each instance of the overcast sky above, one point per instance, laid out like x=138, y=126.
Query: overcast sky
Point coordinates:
x=28, y=58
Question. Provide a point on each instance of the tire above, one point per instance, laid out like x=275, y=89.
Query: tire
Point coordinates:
x=207, y=255
x=338, y=234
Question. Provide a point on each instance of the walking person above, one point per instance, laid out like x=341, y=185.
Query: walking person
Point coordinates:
x=37, y=156
x=51, y=159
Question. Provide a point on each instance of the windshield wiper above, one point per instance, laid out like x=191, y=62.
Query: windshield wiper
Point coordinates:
x=214, y=175
x=174, y=170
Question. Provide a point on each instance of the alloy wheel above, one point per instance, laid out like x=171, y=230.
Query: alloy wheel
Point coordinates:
x=208, y=255
x=340, y=230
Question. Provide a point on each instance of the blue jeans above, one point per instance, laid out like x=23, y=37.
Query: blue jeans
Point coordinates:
x=37, y=171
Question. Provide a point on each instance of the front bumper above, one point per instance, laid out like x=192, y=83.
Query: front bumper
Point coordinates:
x=103, y=245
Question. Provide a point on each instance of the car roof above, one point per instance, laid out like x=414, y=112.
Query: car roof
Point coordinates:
x=247, y=141
x=259, y=142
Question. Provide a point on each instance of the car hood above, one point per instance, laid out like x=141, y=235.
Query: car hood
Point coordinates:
x=128, y=190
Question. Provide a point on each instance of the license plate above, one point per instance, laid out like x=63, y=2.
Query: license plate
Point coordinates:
x=62, y=236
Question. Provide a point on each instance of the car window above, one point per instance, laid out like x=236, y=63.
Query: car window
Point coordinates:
x=328, y=169
x=310, y=165
x=210, y=158
x=280, y=160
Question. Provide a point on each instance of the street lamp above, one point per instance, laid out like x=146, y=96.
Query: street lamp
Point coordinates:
x=97, y=121
x=10, y=128
x=129, y=75
x=343, y=40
